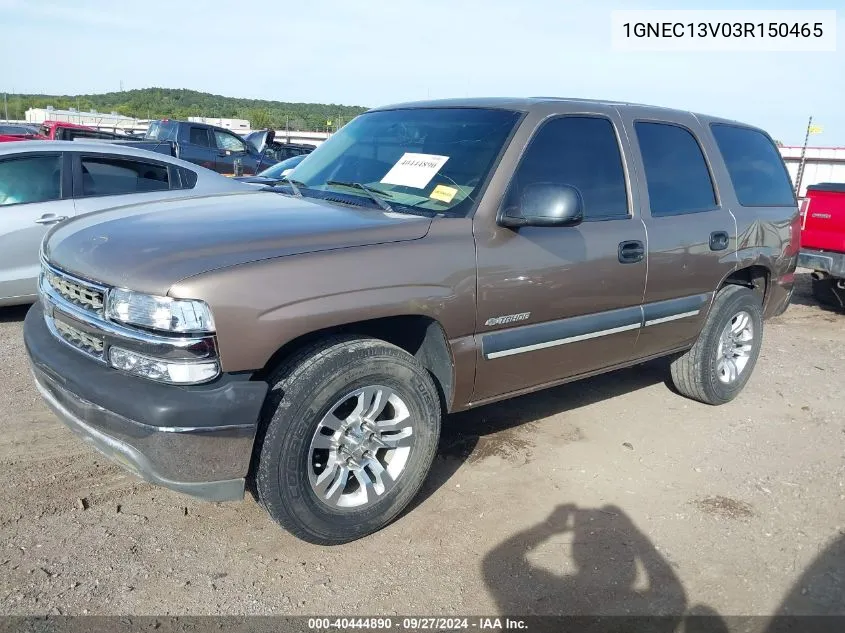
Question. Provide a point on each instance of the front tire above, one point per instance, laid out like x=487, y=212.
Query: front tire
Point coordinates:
x=720, y=363
x=352, y=426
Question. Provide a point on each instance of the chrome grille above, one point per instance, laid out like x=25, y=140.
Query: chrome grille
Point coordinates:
x=86, y=297
x=92, y=345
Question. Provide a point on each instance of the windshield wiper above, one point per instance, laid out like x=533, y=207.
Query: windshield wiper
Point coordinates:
x=373, y=193
x=294, y=184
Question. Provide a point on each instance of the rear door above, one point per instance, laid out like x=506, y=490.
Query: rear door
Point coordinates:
x=35, y=193
x=691, y=231
x=197, y=146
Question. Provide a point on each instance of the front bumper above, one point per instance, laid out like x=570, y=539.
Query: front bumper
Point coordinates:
x=826, y=261
x=193, y=439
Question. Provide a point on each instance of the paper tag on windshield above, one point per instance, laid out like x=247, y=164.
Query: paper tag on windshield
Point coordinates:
x=287, y=171
x=414, y=170
x=443, y=193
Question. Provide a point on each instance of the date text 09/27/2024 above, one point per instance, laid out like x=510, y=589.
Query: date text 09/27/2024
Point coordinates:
x=417, y=624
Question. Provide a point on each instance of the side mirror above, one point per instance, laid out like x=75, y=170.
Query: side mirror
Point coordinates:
x=546, y=204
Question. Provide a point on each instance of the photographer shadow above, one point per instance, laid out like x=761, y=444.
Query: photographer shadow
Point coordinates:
x=614, y=576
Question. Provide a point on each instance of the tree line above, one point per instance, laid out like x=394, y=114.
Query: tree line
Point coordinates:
x=158, y=103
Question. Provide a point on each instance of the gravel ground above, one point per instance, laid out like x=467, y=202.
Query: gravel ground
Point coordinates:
x=610, y=495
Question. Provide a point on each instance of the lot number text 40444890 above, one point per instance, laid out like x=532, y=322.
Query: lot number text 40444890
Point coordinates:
x=417, y=624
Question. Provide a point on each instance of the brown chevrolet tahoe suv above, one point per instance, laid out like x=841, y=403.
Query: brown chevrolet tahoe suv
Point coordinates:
x=428, y=258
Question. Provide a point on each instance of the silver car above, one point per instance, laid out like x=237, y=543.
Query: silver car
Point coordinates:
x=45, y=182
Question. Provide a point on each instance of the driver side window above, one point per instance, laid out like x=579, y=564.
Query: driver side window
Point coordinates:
x=229, y=142
x=581, y=152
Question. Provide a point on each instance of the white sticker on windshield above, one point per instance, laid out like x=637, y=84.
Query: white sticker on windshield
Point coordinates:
x=414, y=170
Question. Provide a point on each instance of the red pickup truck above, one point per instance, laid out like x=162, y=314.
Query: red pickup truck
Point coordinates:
x=823, y=241
x=58, y=131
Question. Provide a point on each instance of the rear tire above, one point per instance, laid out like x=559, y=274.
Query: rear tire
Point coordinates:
x=352, y=426
x=826, y=293
x=720, y=363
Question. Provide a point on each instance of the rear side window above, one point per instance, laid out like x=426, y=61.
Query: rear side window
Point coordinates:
x=187, y=179
x=106, y=176
x=582, y=152
x=755, y=167
x=30, y=179
x=675, y=170
x=199, y=136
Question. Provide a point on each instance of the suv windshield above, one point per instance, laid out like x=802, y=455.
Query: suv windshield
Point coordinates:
x=434, y=159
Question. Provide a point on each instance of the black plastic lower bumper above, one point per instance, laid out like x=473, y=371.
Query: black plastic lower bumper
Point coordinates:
x=193, y=439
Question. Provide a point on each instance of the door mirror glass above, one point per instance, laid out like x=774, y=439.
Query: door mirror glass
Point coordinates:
x=546, y=204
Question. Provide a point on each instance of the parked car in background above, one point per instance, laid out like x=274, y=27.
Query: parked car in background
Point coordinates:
x=428, y=258
x=64, y=131
x=10, y=132
x=45, y=182
x=264, y=142
x=823, y=241
x=274, y=174
x=9, y=138
x=19, y=130
x=210, y=146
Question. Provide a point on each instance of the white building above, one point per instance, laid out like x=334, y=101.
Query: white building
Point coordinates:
x=241, y=126
x=91, y=118
x=821, y=164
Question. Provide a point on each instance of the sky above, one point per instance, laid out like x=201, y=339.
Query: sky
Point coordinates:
x=376, y=52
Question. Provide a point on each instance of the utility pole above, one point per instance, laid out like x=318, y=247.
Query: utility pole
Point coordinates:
x=800, y=176
x=6, y=106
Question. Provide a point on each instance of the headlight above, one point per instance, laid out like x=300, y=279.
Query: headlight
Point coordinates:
x=159, y=313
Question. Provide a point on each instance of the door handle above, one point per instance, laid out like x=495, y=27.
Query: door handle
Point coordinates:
x=719, y=240
x=50, y=219
x=631, y=251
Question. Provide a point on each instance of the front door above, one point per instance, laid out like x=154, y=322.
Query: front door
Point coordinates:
x=230, y=149
x=558, y=302
x=34, y=195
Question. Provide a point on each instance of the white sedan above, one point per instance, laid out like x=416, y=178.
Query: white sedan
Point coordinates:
x=45, y=182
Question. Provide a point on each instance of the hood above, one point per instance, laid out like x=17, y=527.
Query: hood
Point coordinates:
x=149, y=247
x=260, y=140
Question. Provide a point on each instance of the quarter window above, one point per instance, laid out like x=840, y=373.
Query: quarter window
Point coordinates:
x=30, y=179
x=675, y=170
x=754, y=164
x=582, y=152
x=103, y=176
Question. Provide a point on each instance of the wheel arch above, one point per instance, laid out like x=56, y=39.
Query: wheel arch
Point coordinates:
x=755, y=277
x=421, y=336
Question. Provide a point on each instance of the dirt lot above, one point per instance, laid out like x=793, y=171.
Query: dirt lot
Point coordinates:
x=605, y=496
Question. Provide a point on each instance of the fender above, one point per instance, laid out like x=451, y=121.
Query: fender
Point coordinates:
x=261, y=306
